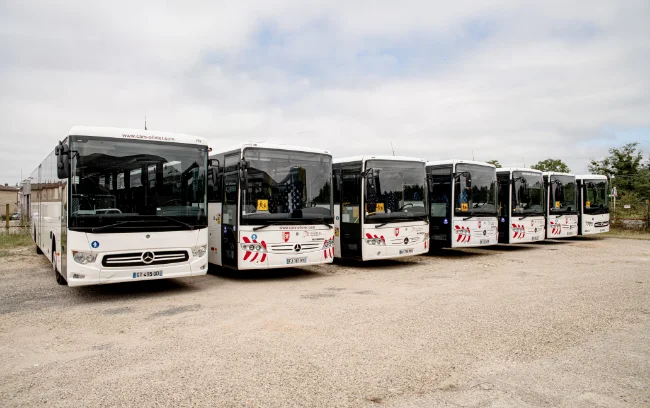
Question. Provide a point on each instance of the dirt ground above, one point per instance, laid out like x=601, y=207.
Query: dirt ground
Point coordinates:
x=556, y=324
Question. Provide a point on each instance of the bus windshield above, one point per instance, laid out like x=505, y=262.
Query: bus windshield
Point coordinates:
x=475, y=188
x=527, y=193
x=133, y=185
x=563, y=194
x=286, y=185
x=394, y=190
x=595, y=197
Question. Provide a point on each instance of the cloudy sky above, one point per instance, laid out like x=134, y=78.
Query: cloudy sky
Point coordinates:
x=505, y=80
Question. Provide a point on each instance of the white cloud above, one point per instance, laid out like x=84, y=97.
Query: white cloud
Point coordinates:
x=505, y=79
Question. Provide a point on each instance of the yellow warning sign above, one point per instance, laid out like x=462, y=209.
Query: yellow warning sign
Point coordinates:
x=588, y=204
x=464, y=207
x=380, y=207
x=557, y=204
x=262, y=205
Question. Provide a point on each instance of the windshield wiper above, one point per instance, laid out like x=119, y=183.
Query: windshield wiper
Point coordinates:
x=110, y=226
x=418, y=218
x=323, y=222
x=287, y=221
x=530, y=215
x=181, y=223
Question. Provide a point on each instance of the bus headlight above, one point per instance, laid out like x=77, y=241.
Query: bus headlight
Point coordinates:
x=375, y=241
x=199, y=251
x=83, y=257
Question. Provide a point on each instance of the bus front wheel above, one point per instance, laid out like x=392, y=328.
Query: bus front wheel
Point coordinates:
x=38, y=250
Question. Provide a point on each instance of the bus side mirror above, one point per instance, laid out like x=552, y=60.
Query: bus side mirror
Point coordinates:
x=62, y=153
x=243, y=165
x=213, y=164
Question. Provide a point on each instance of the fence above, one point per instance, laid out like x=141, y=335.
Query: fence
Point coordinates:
x=630, y=212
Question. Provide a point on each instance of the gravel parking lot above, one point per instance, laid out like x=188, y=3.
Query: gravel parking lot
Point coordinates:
x=557, y=324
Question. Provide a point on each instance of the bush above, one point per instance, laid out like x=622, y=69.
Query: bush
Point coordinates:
x=13, y=240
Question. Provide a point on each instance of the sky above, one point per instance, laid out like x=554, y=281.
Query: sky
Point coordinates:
x=510, y=80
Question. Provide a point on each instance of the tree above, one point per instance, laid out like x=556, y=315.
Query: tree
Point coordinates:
x=495, y=163
x=556, y=165
x=624, y=163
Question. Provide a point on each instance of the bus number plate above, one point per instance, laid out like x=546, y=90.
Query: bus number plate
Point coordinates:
x=149, y=274
x=293, y=261
x=406, y=251
x=534, y=238
x=485, y=241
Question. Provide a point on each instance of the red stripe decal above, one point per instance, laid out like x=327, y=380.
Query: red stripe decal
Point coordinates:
x=246, y=255
x=325, y=253
x=255, y=257
x=246, y=240
x=263, y=244
x=263, y=258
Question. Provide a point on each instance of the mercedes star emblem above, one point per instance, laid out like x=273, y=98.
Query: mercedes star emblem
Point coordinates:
x=297, y=248
x=147, y=257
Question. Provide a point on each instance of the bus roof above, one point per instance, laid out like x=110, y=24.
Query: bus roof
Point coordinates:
x=385, y=158
x=137, y=134
x=454, y=162
x=269, y=146
x=591, y=177
x=555, y=173
x=513, y=169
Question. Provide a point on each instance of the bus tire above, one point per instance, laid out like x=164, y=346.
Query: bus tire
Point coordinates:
x=59, y=278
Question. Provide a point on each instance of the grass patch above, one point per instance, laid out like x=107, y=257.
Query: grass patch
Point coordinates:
x=628, y=234
x=14, y=240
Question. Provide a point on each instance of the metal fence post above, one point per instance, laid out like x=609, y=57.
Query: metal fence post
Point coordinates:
x=7, y=217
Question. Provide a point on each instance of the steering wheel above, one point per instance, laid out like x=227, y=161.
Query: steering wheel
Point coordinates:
x=405, y=205
x=174, y=200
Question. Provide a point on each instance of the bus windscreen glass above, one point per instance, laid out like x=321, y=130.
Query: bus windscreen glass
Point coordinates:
x=132, y=185
x=563, y=194
x=286, y=186
x=395, y=190
x=527, y=193
x=595, y=197
x=475, y=188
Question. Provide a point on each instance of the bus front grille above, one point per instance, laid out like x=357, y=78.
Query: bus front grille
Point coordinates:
x=146, y=258
x=288, y=248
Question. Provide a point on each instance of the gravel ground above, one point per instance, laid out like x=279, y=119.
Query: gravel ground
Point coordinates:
x=557, y=324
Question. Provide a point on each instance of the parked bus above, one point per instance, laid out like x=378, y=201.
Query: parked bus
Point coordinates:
x=270, y=206
x=594, y=204
x=521, y=205
x=462, y=203
x=561, y=205
x=114, y=205
x=380, y=207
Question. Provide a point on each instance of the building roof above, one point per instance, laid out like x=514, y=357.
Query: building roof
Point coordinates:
x=9, y=188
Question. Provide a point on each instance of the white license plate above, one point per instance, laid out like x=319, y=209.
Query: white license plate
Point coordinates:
x=293, y=261
x=150, y=274
x=535, y=238
x=405, y=251
x=484, y=241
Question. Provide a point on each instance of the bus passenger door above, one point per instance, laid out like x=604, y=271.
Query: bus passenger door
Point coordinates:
x=504, y=208
x=441, y=203
x=229, y=244
x=351, y=212
x=215, y=198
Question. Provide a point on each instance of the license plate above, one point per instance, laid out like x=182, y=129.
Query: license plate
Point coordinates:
x=150, y=274
x=439, y=237
x=293, y=261
x=405, y=251
x=534, y=239
x=484, y=241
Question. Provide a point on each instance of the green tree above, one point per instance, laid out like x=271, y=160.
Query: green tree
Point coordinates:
x=556, y=165
x=495, y=163
x=624, y=163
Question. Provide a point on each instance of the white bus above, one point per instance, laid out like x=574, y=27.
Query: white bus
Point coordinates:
x=114, y=205
x=521, y=205
x=270, y=206
x=594, y=204
x=561, y=205
x=462, y=203
x=380, y=207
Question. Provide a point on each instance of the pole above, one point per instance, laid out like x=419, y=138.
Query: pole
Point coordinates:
x=7, y=217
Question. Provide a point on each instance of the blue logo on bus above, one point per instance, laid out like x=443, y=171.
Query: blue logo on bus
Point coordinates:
x=503, y=219
x=445, y=221
x=254, y=236
x=94, y=244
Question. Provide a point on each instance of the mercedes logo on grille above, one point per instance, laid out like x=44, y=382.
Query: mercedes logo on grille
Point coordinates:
x=297, y=247
x=406, y=241
x=484, y=232
x=147, y=257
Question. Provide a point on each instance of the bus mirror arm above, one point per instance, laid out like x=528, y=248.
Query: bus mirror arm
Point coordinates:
x=62, y=153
